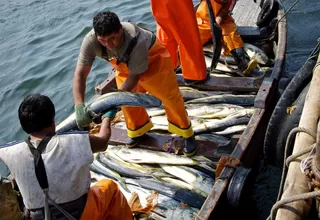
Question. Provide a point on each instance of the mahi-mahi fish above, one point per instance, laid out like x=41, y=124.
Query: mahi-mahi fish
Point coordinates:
x=111, y=100
x=97, y=167
x=136, y=155
x=168, y=189
x=226, y=98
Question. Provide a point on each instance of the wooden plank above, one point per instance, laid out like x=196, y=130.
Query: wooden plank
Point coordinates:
x=214, y=83
x=158, y=142
x=226, y=83
x=108, y=85
x=245, y=13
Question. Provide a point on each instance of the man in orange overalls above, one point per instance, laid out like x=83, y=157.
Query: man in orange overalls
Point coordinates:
x=176, y=26
x=231, y=38
x=142, y=64
x=177, y=30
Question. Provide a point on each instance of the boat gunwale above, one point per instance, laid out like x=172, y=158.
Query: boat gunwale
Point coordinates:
x=221, y=184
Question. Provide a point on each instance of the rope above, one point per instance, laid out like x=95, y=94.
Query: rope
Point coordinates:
x=305, y=164
x=285, y=165
x=285, y=14
x=284, y=201
x=315, y=52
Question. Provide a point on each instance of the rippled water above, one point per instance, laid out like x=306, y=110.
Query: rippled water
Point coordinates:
x=39, y=45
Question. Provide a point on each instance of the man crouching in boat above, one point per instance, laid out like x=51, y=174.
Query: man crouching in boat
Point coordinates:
x=231, y=38
x=142, y=64
x=51, y=170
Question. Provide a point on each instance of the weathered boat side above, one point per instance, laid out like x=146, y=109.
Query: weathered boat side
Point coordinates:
x=249, y=144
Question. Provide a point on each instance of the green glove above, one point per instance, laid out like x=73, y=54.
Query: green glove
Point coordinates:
x=110, y=114
x=84, y=115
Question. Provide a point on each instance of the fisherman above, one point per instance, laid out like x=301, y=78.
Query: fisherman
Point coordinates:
x=142, y=64
x=51, y=167
x=183, y=35
x=232, y=41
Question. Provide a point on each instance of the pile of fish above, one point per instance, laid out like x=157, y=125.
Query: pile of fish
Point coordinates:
x=169, y=186
x=215, y=115
x=181, y=183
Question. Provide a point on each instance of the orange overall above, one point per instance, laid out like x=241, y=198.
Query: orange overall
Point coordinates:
x=231, y=37
x=177, y=26
x=105, y=201
x=160, y=81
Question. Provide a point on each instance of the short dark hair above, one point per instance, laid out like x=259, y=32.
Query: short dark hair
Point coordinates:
x=106, y=23
x=36, y=112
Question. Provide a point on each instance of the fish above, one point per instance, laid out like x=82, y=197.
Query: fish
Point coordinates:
x=202, y=182
x=111, y=100
x=120, y=125
x=213, y=137
x=167, y=208
x=242, y=117
x=243, y=100
x=198, y=110
x=155, y=111
x=158, y=128
x=133, y=170
x=163, y=121
x=119, y=167
x=236, y=129
x=252, y=51
x=219, y=66
x=170, y=190
x=256, y=53
x=189, y=95
x=97, y=167
x=224, y=112
x=136, y=155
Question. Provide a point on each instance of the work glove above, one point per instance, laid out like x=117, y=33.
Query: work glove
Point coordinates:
x=84, y=115
x=110, y=114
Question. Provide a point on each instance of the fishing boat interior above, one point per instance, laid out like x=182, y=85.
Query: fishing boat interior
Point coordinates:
x=229, y=115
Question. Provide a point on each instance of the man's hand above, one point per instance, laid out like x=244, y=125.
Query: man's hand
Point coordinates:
x=221, y=16
x=219, y=21
x=84, y=115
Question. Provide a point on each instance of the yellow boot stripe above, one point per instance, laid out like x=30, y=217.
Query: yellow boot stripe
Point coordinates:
x=251, y=66
x=140, y=131
x=184, y=132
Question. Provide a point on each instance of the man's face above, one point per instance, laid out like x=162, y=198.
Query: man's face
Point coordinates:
x=111, y=41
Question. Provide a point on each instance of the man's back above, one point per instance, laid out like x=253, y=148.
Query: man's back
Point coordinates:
x=66, y=160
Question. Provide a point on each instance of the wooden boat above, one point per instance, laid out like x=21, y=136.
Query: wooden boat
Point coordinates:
x=229, y=188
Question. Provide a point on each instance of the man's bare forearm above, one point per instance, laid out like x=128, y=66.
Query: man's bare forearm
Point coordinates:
x=130, y=82
x=79, y=83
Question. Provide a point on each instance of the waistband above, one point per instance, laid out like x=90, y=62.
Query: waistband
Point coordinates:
x=74, y=208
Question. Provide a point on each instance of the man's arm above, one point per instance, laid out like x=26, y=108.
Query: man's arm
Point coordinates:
x=130, y=82
x=99, y=142
x=221, y=16
x=79, y=83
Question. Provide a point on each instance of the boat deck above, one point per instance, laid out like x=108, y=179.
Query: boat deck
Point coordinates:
x=245, y=13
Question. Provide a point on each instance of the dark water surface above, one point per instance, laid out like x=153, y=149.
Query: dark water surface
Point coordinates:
x=39, y=45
